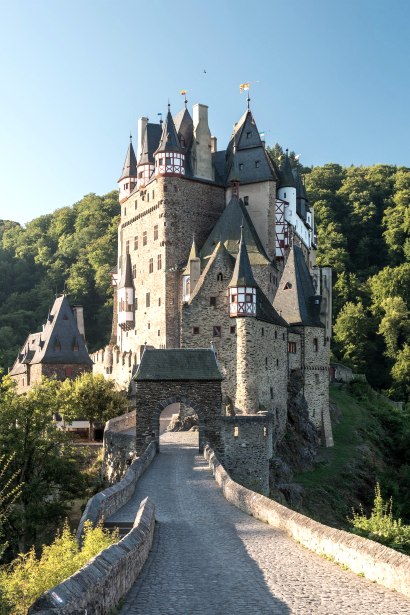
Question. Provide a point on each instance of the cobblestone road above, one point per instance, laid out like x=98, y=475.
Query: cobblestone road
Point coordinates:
x=209, y=558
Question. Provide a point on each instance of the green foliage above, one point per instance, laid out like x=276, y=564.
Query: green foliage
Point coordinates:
x=28, y=577
x=351, y=333
x=381, y=526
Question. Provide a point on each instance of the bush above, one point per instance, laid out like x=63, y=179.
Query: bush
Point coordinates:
x=28, y=577
x=381, y=526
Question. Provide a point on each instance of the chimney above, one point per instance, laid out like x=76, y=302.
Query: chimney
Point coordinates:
x=78, y=312
x=214, y=146
x=142, y=126
x=202, y=142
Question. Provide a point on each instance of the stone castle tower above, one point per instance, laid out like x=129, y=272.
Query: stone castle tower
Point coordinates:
x=218, y=247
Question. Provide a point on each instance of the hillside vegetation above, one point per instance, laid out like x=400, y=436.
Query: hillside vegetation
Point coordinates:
x=363, y=217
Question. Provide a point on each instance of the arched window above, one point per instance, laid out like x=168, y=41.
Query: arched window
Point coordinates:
x=220, y=277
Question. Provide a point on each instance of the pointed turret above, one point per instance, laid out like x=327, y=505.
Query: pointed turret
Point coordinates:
x=169, y=157
x=242, y=287
x=301, y=196
x=128, y=177
x=191, y=273
x=287, y=189
x=126, y=296
x=234, y=178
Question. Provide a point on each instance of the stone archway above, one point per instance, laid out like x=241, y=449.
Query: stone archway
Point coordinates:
x=188, y=376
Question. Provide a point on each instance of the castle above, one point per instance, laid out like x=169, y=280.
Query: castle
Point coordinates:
x=216, y=248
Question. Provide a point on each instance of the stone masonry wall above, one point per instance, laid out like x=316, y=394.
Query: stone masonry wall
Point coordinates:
x=118, y=447
x=262, y=364
x=25, y=382
x=107, y=502
x=247, y=443
x=98, y=587
x=204, y=397
x=295, y=358
x=365, y=557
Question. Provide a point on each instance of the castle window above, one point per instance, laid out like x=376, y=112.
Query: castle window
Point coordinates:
x=315, y=344
x=68, y=372
x=236, y=431
x=156, y=231
x=76, y=347
x=144, y=238
x=292, y=347
x=265, y=431
x=161, y=161
x=136, y=304
x=277, y=362
x=241, y=166
x=276, y=335
x=127, y=247
x=159, y=301
x=233, y=329
x=287, y=286
x=125, y=211
x=266, y=361
x=316, y=378
x=212, y=301
x=159, y=261
x=134, y=271
x=153, y=194
x=283, y=336
x=168, y=160
x=249, y=299
x=257, y=164
x=271, y=392
x=136, y=204
x=147, y=299
x=165, y=188
x=147, y=197
x=262, y=331
x=175, y=188
x=149, y=325
x=151, y=265
x=140, y=175
x=248, y=135
x=159, y=332
x=219, y=277
x=216, y=331
x=195, y=330
x=246, y=200
x=136, y=242
x=284, y=195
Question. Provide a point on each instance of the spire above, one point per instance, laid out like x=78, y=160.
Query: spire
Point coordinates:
x=286, y=176
x=193, y=253
x=234, y=174
x=126, y=278
x=130, y=163
x=242, y=273
x=169, y=139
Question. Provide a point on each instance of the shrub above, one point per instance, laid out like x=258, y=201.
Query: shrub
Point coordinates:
x=28, y=577
x=381, y=526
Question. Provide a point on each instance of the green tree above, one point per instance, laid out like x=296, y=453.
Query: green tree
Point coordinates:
x=351, y=333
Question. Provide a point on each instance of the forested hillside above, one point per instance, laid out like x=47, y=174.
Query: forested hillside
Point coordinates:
x=73, y=248
x=363, y=216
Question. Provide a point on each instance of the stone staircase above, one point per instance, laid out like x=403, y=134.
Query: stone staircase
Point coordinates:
x=123, y=527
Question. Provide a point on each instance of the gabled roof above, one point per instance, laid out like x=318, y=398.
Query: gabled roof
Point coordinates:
x=178, y=364
x=184, y=126
x=126, y=274
x=242, y=273
x=55, y=344
x=150, y=143
x=130, y=164
x=286, y=179
x=227, y=230
x=295, y=298
x=169, y=139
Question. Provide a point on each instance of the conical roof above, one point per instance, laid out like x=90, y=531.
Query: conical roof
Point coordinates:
x=295, y=298
x=227, y=230
x=242, y=273
x=286, y=179
x=130, y=164
x=150, y=143
x=169, y=139
x=192, y=255
x=126, y=280
x=184, y=126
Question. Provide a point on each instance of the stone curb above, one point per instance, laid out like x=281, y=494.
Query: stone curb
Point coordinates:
x=365, y=557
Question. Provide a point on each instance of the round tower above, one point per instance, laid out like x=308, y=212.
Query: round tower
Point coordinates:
x=125, y=297
x=287, y=189
x=128, y=179
x=242, y=287
x=169, y=157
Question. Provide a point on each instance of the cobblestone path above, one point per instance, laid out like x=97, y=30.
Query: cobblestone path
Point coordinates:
x=209, y=558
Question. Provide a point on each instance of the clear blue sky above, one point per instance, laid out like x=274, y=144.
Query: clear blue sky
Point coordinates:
x=76, y=74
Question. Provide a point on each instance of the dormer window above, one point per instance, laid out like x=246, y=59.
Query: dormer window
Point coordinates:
x=257, y=164
x=241, y=166
x=76, y=346
x=57, y=346
x=249, y=134
x=287, y=286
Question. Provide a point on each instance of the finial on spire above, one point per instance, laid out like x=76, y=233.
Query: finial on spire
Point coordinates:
x=287, y=151
x=130, y=137
x=169, y=106
x=248, y=101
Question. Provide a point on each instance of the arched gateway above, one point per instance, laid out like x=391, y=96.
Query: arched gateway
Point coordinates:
x=188, y=376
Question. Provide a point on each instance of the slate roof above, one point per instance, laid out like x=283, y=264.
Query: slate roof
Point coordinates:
x=130, y=164
x=169, y=139
x=126, y=280
x=55, y=344
x=286, y=179
x=295, y=298
x=184, y=127
x=178, y=364
x=150, y=143
x=242, y=273
x=227, y=230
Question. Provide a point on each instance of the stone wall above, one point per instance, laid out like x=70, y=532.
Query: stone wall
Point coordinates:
x=34, y=373
x=107, y=502
x=115, y=364
x=152, y=397
x=365, y=557
x=247, y=444
x=118, y=447
x=98, y=587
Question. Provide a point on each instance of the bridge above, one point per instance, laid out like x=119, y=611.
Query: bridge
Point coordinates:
x=208, y=557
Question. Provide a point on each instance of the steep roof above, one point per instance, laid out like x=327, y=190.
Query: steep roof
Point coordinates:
x=150, y=143
x=126, y=274
x=227, y=230
x=130, y=164
x=184, y=126
x=295, y=298
x=286, y=179
x=169, y=139
x=242, y=273
x=178, y=364
x=56, y=342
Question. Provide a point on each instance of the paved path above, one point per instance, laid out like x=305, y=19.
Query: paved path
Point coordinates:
x=209, y=558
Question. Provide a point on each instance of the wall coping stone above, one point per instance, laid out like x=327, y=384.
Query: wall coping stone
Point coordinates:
x=107, y=502
x=376, y=562
x=107, y=577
